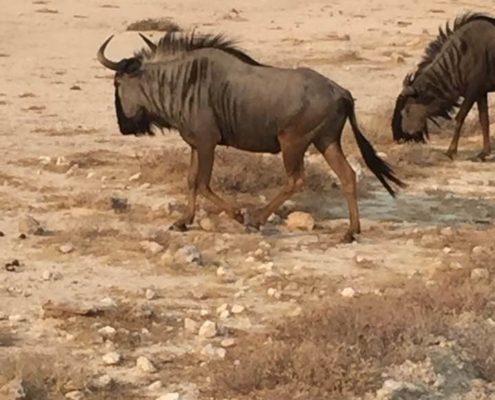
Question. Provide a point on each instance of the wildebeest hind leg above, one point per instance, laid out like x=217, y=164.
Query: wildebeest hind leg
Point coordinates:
x=485, y=127
x=460, y=117
x=192, y=183
x=293, y=157
x=205, y=166
x=336, y=160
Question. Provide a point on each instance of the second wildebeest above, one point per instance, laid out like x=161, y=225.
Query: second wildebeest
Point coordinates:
x=215, y=94
x=458, y=65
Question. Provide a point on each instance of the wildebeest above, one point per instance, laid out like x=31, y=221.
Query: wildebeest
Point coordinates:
x=458, y=64
x=215, y=94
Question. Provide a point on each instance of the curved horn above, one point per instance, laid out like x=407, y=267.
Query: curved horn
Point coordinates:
x=150, y=44
x=105, y=61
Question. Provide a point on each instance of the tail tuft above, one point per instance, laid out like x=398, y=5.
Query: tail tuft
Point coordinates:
x=382, y=170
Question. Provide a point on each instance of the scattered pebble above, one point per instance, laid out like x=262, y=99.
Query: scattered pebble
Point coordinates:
x=17, y=318
x=448, y=231
x=145, y=365
x=102, y=382
x=190, y=325
x=213, y=352
x=208, y=329
x=456, y=265
x=107, y=332
x=477, y=250
x=221, y=271
x=299, y=220
x=224, y=314
x=480, y=274
x=13, y=390
x=188, y=254
x=112, y=358
x=47, y=275
x=12, y=266
x=222, y=308
x=169, y=396
x=66, y=248
x=150, y=294
x=74, y=395
x=237, y=309
x=151, y=247
x=207, y=224
x=135, y=177
x=447, y=250
x=107, y=303
x=274, y=293
x=204, y=313
x=157, y=385
x=348, y=292
x=229, y=342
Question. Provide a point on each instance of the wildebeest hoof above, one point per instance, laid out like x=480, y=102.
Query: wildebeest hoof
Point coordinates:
x=179, y=226
x=480, y=157
x=349, y=237
x=451, y=154
x=238, y=215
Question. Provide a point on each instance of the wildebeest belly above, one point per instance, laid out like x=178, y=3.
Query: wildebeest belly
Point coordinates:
x=255, y=137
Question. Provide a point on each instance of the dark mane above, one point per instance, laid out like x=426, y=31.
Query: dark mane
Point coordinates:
x=173, y=43
x=436, y=45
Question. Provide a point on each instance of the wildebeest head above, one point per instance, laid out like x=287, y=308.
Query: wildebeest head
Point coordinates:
x=132, y=115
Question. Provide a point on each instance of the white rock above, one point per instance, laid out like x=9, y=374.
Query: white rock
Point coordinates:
x=145, y=185
x=208, y=329
x=237, y=309
x=107, y=303
x=74, y=395
x=204, y=313
x=112, y=358
x=150, y=294
x=480, y=274
x=271, y=292
x=135, y=177
x=90, y=175
x=66, y=248
x=157, y=385
x=348, y=292
x=17, y=318
x=151, y=247
x=207, y=224
x=169, y=396
x=222, y=308
x=456, y=265
x=13, y=390
x=102, y=381
x=447, y=250
x=188, y=254
x=299, y=220
x=145, y=365
x=47, y=275
x=107, y=332
x=224, y=314
x=477, y=250
x=448, y=231
x=61, y=161
x=229, y=342
x=221, y=271
x=213, y=352
x=190, y=325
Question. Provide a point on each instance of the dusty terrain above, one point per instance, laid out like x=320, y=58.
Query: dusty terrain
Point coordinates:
x=419, y=324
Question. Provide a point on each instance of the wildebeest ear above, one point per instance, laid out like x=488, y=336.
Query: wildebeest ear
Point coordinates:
x=409, y=91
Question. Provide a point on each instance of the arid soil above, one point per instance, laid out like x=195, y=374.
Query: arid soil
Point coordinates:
x=92, y=280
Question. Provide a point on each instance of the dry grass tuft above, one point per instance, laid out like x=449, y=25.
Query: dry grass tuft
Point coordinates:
x=342, y=348
x=154, y=24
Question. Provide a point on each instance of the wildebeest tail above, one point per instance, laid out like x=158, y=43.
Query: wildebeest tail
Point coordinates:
x=382, y=170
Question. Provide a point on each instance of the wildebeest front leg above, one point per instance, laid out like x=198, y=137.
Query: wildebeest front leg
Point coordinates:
x=293, y=157
x=205, y=166
x=460, y=117
x=485, y=126
x=192, y=183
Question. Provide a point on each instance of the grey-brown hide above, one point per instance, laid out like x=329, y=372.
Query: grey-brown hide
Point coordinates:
x=458, y=65
x=214, y=94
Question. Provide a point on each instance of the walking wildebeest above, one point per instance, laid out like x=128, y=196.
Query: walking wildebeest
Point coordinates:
x=459, y=63
x=215, y=94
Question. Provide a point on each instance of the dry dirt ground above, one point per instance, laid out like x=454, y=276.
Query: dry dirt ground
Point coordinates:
x=419, y=324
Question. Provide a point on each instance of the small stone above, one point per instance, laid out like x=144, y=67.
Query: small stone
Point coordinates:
x=66, y=248
x=348, y=292
x=477, y=250
x=150, y=294
x=208, y=329
x=237, y=309
x=151, y=247
x=271, y=292
x=480, y=274
x=189, y=254
x=145, y=365
x=299, y=220
x=107, y=332
x=204, y=313
x=207, y=224
x=135, y=177
x=224, y=314
x=112, y=358
x=448, y=231
x=295, y=312
x=360, y=259
x=47, y=275
x=17, y=318
x=74, y=395
x=107, y=303
x=145, y=185
x=190, y=325
x=222, y=308
x=157, y=385
x=213, y=352
x=447, y=250
x=456, y=265
x=250, y=259
x=13, y=390
x=221, y=271
x=102, y=382
x=169, y=396
x=229, y=342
